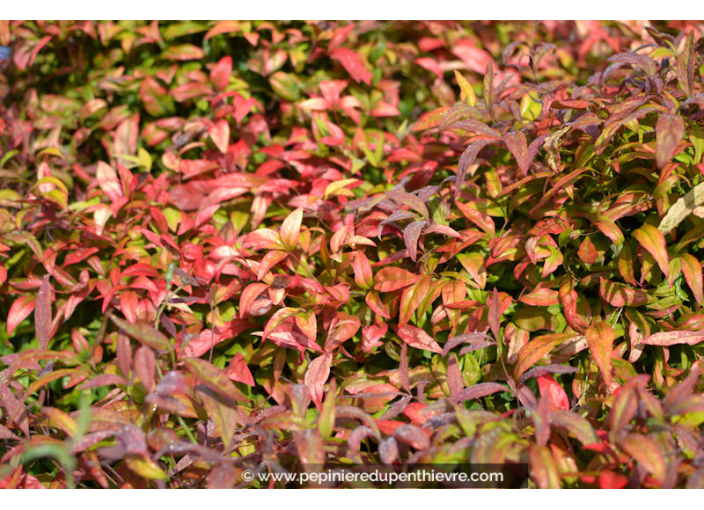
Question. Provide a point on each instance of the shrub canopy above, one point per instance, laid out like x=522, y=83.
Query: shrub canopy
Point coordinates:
x=261, y=245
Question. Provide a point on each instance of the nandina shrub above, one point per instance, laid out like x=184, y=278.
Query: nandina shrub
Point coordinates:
x=252, y=245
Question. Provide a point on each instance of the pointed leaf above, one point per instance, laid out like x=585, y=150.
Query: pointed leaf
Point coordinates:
x=145, y=367
x=682, y=208
x=411, y=234
x=692, y=270
x=551, y=390
x=219, y=133
x=214, y=379
x=674, y=338
x=290, y=231
x=668, y=133
x=353, y=63
x=390, y=279
x=648, y=453
x=619, y=295
x=685, y=66
x=543, y=468
x=489, y=92
x=316, y=377
x=466, y=91
x=221, y=72
x=363, y=275
x=495, y=314
x=412, y=436
x=642, y=62
x=600, y=339
x=650, y=238
x=416, y=337
x=536, y=349
x=144, y=333
x=42, y=313
x=238, y=370
x=478, y=391
x=575, y=424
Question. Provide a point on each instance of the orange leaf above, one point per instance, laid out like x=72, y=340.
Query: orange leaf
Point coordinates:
x=536, y=349
x=600, y=339
x=291, y=229
x=650, y=238
x=693, y=276
x=416, y=337
x=389, y=279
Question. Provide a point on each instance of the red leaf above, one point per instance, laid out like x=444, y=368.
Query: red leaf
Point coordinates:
x=128, y=304
x=342, y=328
x=219, y=133
x=363, y=275
x=416, y=337
x=270, y=260
x=494, y=317
x=546, y=369
x=214, y=378
x=467, y=159
x=619, y=295
x=390, y=279
x=372, y=335
x=403, y=369
x=19, y=311
x=276, y=319
x=642, y=62
x=220, y=74
x=103, y=380
x=144, y=334
x=668, y=133
x=316, y=377
x=611, y=480
x=353, y=63
x=238, y=370
x=478, y=391
x=478, y=217
x=587, y=252
x=42, y=313
x=243, y=107
x=540, y=296
x=410, y=237
x=108, y=181
x=248, y=297
x=145, y=367
x=551, y=390
x=413, y=436
x=648, y=453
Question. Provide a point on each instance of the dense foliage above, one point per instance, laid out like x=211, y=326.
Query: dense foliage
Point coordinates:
x=236, y=245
